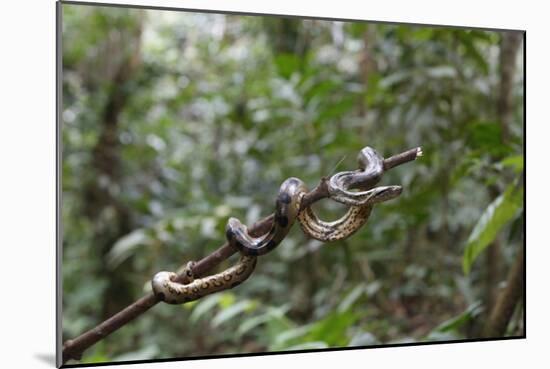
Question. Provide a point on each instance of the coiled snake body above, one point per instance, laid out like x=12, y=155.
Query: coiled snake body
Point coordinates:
x=347, y=225
x=371, y=166
x=168, y=290
x=287, y=210
x=371, y=169
x=289, y=201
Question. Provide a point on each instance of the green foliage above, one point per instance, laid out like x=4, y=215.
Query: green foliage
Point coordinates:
x=272, y=314
x=498, y=214
x=457, y=322
x=216, y=113
x=332, y=329
x=230, y=312
x=204, y=306
x=515, y=162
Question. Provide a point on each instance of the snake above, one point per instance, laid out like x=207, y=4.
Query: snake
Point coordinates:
x=287, y=210
x=288, y=205
x=371, y=168
x=351, y=222
x=167, y=289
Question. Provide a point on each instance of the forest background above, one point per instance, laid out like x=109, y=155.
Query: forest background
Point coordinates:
x=174, y=121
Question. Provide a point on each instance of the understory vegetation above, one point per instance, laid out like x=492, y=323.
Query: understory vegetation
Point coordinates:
x=173, y=121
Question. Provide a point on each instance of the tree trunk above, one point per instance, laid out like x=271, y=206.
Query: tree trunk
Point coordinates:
x=507, y=300
x=109, y=215
x=509, y=45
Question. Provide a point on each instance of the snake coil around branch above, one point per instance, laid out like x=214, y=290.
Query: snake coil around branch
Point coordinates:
x=170, y=291
x=288, y=209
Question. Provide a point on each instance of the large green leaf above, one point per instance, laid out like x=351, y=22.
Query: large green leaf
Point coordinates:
x=497, y=215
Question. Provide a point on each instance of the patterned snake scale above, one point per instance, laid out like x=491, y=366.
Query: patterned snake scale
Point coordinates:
x=361, y=203
x=287, y=208
x=168, y=290
x=371, y=166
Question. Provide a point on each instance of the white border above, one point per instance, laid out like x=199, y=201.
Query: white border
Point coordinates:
x=27, y=206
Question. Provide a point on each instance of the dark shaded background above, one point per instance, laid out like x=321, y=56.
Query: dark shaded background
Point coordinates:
x=174, y=121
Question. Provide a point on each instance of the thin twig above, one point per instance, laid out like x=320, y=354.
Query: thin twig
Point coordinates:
x=73, y=349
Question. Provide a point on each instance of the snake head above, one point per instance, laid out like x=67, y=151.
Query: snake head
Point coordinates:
x=384, y=193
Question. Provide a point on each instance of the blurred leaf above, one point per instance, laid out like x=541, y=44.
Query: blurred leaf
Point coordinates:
x=351, y=298
x=443, y=71
x=457, y=322
x=227, y=299
x=494, y=218
x=253, y=322
x=126, y=246
x=271, y=314
x=287, y=64
x=373, y=287
x=393, y=79
x=486, y=137
x=204, y=305
x=332, y=329
x=467, y=165
x=474, y=53
x=231, y=311
x=423, y=33
x=320, y=89
x=335, y=110
x=284, y=337
x=96, y=354
x=515, y=161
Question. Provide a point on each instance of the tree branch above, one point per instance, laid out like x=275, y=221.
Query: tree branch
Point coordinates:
x=73, y=349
